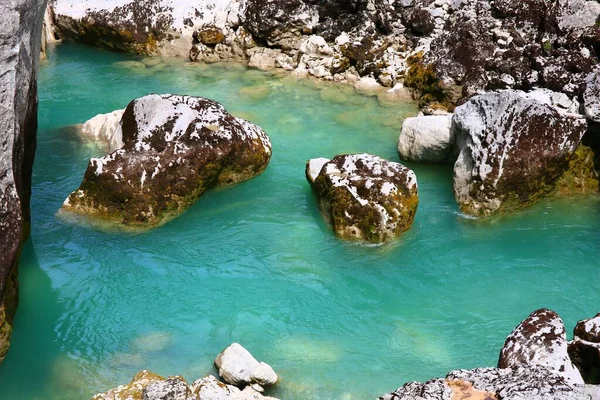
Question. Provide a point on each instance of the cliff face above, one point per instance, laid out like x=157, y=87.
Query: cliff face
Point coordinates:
x=20, y=37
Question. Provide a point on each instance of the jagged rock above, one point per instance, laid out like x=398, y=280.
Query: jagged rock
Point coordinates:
x=588, y=329
x=540, y=340
x=427, y=139
x=238, y=367
x=133, y=390
x=363, y=196
x=577, y=13
x=173, y=388
x=105, y=129
x=516, y=383
x=586, y=357
x=175, y=148
x=211, y=35
x=591, y=97
x=512, y=151
x=20, y=43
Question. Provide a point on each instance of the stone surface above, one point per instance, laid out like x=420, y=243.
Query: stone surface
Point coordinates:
x=133, y=390
x=540, y=340
x=175, y=148
x=516, y=383
x=586, y=357
x=210, y=388
x=427, y=139
x=238, y=367
x=20, y=43
x=105, y=129
x=588, y=329
x=591, y=96
x=512, y=151
x=173, y=388
x=364, y=197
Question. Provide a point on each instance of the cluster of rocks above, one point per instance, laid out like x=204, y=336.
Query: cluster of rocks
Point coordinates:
x=536, y=363
x=443, y=50
x=167, y=150
x=244, y=378
x=509, y=148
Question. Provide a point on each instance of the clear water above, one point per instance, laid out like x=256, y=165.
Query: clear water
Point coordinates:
x=256, y=264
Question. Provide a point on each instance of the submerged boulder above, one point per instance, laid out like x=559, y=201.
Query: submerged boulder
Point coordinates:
x=174, y=149
x=513, y=150
x=427, y=139
x=363, y=196
x=104, y=129
x=540, y=340
x=238, y=367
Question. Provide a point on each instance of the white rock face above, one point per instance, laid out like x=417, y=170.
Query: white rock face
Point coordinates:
x=105, y=129
x=560, y=101
x=427, y=139
x=238, y=367
x=577, y=13
x=540, y=340
x=591, y=96
x=313, y=168
x=512, y=151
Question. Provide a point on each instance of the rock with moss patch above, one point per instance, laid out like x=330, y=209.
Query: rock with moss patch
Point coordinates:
x=175, y=148
x=364, y=197
x=513, y=150
x=540, y=340
x=133, y=390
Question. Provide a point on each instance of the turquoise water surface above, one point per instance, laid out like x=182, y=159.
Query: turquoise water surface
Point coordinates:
x=256, y=263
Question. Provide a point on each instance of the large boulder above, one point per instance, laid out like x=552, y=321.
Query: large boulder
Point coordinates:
x=515, y=383
x=20, y=41
x=238, y=367
x=364, y=197
x=584, y=349
x=427, y=139
x=513, y=150
x=540, y=340
x=175, y=148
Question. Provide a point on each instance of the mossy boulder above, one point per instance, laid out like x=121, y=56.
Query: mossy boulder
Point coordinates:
x=211, y=35
x=513, y=150
x=174, y=149
x=133, y=390
x=364, y=197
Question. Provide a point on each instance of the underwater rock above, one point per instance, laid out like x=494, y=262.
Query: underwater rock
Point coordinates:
x=238, y=367
x=20, y=43
x=427, y=139
x=516, y=383
x=512, y=151
x=368, y=86
x=104, y=128
x=175, y=148
x=363, y=196
x=540, y=340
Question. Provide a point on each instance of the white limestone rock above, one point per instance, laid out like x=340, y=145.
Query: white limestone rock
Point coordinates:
x=427, y=139
x=540, y=340
x=313, y=168
x=368, y=86
x=105, y=129
x=238, y=367
x=512, y=149
x=591, y=96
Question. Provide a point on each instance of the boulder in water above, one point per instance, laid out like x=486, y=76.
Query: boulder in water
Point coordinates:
x=238, y=367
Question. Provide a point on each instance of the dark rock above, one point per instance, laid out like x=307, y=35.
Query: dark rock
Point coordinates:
x=540, y=340
x=586, y=357
x=588, y=329
x=364, y=197
x=21, y=29
x=420, y=21
x=513, y=150
x=175, y=148
x=211, y=35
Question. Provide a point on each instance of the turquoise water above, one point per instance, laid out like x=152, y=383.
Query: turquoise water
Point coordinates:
x=256, y=264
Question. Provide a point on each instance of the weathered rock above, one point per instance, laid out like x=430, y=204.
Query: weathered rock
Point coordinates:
x=105, y=129
x=588, y=329
x=211, y=35
x=20, y=42
x=591, y=96
x=368, y=86
x=210, y=388
x=173, y=388
x=175, y=148
x=512, y=151
x=427, y=139
x=364, y=197
x=540, y=340
x=134, y=390
x=238, y=367
x=586, y=357
x=516, y=383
